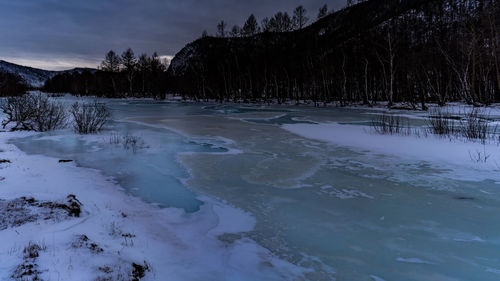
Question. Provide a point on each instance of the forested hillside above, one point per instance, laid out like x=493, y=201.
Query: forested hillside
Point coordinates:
x=404, y=51
x=409, y=51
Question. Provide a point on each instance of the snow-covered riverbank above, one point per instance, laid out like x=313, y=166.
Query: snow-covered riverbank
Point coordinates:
x=315, y=187
x=117, y=235
x=462, y=159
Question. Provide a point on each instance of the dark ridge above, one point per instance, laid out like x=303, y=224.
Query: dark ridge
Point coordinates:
x=345, y=57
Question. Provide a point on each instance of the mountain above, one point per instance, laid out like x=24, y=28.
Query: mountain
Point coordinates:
x=35, y=77
x=408, y=51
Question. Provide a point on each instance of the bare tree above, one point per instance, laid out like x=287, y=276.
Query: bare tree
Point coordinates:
x=129, y=63
x=280, y=22
x=388, y=63
x=143, y=66
x=299, y=19
x=265, y=24
x=221, y=29
x=251, y=26
x=111, y=64
x=495, y=39
x=235, y=31
x=323, y=12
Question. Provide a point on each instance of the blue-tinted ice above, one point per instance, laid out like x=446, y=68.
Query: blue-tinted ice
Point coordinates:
x=345, y=214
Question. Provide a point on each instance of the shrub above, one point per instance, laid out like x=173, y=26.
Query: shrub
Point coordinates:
x=475, y=127
x=387, y=124
x=128, y=142
x=89, y=117
x=18, y=110
x=34, y=113
x=49, y=115
x=133, y=142
x=441, y=123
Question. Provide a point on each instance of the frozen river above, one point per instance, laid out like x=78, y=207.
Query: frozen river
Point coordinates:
x=341, y=211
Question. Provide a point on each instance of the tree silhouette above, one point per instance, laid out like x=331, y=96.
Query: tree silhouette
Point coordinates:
x=323, y=11
x=235, y=31
x=251, y=26
x=299, y=17
x=129, y=62
x=111, y=64
x=221, y=29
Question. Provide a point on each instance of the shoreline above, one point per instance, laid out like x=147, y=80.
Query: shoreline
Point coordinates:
x=379, y=105
x=128, y=230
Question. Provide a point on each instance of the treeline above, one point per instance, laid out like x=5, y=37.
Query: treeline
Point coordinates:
x=11, y=85
x=118, y=76
x=407, y=51
x=280, y=22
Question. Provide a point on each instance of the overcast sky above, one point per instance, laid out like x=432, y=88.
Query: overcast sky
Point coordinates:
x=60, y=34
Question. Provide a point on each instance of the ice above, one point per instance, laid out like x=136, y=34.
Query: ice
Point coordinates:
x=321, y=200
x=174, y=243
x=376, y=278
x=413, y=260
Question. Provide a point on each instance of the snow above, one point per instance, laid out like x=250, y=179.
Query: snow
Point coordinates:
x=413, y=260
x=457, y=155
x=32, y=76
x=176, y=245
x=35, y=77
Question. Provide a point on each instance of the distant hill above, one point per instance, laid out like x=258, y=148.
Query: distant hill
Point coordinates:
x=35, y=77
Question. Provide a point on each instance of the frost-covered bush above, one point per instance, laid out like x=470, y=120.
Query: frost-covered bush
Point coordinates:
x=472, y=125
x=18, y=110
x=128, y=142
x=441, y=123
x=34, y=113
x=475, y=127
x=132, y=142
x=89, y=117
x=388, y=124
x=49, y=115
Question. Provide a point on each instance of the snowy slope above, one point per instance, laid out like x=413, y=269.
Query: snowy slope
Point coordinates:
x=34, y=77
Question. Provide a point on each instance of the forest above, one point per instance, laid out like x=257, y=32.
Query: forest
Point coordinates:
x=408, y=52
x=118, y=76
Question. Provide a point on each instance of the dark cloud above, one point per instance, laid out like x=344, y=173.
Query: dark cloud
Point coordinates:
x=79, y=32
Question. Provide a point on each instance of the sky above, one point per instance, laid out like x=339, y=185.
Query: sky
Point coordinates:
x=61, y=34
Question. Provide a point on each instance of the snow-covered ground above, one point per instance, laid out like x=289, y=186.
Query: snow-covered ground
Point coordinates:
x=116, y=231
x=465, y=159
